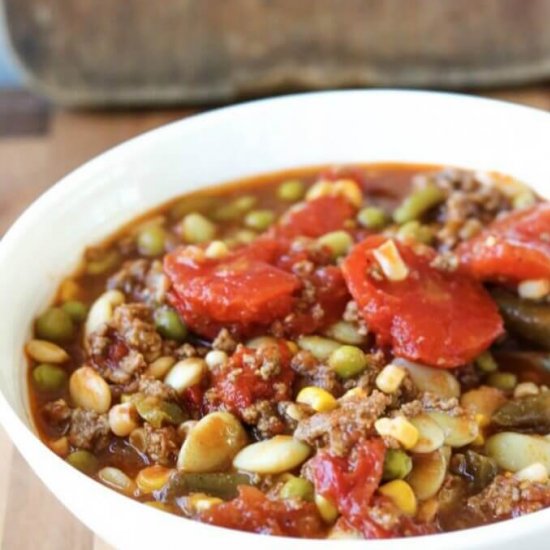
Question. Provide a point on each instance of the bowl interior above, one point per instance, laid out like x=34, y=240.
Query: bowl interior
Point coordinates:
x=336, y=127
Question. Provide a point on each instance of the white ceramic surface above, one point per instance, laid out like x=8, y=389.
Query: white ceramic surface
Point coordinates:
x=331, y=127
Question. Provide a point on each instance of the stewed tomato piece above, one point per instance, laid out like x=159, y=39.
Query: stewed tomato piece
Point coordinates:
x=439, y=317
x=513, y=248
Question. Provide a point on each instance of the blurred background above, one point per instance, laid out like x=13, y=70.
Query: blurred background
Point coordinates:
x=79, y=76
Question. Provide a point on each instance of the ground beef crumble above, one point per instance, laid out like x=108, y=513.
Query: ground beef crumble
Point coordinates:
x=161, y=445
x=470, y=204
x=509, y=497
x=315, y=373
x=224, y=342
x=155, y=388
x=89, y=430
x=344, y=426
x=141, y=280
x=134, y=322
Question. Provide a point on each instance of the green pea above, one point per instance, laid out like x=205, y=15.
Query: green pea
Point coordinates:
x=158, y=412
x=151, y=240
x=348, y=361
x=505, y=381
x=339, y=242
x=55, y=325
x=76, y=310
x=102, y=261
x=49, y=378
x=372, y=217
x=259, y=220
x=196, y=229
x=291, y=190
x=397, y=464
x=195, y=203
x=417, y=203
x=298, y=487
x=416, y=232
x=486, y=362
x=84, y=461
x=235, y=209
x=241, y=236
x=169, y=325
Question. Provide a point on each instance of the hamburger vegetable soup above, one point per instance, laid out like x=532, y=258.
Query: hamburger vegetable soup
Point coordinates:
x=338, y=352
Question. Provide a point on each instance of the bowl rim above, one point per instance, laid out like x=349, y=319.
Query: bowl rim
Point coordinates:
x=27, y=441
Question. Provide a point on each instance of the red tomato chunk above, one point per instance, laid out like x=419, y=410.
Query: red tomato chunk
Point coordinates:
x=512, y=249
x=253, y=511
x=315, y=218
x=441, y=318
x=239, y=385
x=349, y=482
x=253, y=287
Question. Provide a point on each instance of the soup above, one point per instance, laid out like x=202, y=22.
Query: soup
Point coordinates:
x=341, y=352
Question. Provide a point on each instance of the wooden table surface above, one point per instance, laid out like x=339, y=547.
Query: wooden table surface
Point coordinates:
x=38, y=145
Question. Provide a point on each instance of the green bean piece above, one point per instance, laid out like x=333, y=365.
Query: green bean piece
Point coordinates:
x=530, y=320
x=55, y=325
x=348, y=361
x=418, y=203
x=235, y=209
x=151, y=240
x=416, y=232
x=220, y=485
x=259, y=220
x=338, y=242
x=478, y=469
x=505, y=381
x=157, y=412
x=169, y=325
x=526, y=360
x=102, y=261
x=291, y=190
x=486, y=362
x=76, y=310
x=197, y=229
x=49, y=378
x=84, y=461
x=372, y=217
x=298, y=487
x=397, y=465
x=529, y=413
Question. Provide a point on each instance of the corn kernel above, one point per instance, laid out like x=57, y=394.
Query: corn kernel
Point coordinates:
x=152, y=478
x=390, y=378
x=390, y=261
x=401, y=494
x=318, y=399
x=327, y=509
x=400, y=429
x=346, y=188
x=199, y=502
x=534, y=289
x=293, y=347
x=354, y=392
x=534, y=472
x=216, y=250
x=525, y=389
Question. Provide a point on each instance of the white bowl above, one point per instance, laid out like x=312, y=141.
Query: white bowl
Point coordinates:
x=311, y=129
